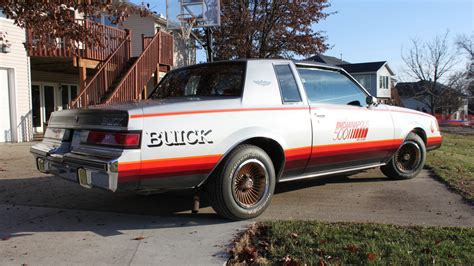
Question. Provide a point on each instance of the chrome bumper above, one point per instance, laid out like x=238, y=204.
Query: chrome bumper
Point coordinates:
x=87, y=171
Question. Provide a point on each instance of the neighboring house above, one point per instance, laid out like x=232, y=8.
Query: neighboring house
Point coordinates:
x=36, y=81
x=376, y=77
x=452, y=106
x=326, y=59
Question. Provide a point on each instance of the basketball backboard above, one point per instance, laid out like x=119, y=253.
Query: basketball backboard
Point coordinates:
x=188, y=14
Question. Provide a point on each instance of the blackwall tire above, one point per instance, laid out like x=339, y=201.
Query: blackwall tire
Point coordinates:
x=243, y=186
x=408, y=161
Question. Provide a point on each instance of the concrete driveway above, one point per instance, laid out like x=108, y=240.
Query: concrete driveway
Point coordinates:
x=45, y=220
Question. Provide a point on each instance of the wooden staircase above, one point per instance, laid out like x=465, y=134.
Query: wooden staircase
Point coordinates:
x=123, y=78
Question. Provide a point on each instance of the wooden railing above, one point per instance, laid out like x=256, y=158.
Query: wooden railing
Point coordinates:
x=38, y=45
x=137, y=77
x=102, y=82
x=166, y=48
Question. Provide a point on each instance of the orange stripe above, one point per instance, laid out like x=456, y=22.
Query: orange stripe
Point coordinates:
x=433, y=141
x=218, y=111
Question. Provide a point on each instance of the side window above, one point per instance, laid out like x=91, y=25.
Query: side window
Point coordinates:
x=287, y=82
x=331, y=87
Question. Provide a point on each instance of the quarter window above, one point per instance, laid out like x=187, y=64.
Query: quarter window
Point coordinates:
x=331, y=87
x=287, y=82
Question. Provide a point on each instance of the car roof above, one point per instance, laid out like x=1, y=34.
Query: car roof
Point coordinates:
x=296, y=62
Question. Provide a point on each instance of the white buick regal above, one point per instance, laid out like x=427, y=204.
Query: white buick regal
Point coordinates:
x=234, y=129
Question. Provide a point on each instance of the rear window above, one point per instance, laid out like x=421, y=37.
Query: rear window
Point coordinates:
x=213, y=80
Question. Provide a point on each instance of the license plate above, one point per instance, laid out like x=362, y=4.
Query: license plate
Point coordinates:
x=83, y=179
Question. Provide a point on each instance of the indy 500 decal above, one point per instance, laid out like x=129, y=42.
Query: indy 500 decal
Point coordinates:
x=355, y=130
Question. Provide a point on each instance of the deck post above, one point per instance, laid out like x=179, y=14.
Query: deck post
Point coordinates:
x=82, y=76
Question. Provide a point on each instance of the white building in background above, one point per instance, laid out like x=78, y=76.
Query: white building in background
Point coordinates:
x=15, y=96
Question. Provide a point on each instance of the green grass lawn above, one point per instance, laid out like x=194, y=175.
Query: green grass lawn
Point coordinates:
x=454, y=163
x=316, y=243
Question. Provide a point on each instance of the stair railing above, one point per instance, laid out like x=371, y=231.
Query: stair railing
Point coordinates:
x=137, y=77
x=99, y=85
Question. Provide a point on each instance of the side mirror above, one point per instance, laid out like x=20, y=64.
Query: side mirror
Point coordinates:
x=370, y=100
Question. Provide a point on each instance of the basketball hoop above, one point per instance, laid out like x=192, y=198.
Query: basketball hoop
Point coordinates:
x=187, y=22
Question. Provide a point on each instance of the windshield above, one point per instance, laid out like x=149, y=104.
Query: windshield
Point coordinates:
x=221, y=79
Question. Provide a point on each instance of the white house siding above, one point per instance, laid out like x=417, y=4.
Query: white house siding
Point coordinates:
x=384, y=93
x=138, y=25
x=17, y=63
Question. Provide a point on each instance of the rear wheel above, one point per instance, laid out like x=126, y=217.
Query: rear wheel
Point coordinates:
x=242, y=187
x=409, y=159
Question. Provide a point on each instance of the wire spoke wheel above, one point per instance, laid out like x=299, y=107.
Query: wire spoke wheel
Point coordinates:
x=408, y=157
x=250, y=183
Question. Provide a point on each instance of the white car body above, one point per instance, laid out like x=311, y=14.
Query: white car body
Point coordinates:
x=183, y=140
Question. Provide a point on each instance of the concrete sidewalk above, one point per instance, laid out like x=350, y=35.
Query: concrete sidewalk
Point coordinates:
x=48, y=236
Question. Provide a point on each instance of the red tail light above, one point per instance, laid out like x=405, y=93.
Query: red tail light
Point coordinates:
x=130, y=140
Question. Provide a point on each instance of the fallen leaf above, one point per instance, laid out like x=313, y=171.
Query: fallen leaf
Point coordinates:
x=138, y=238
x=352, y=248
x=371, y=256
x=294, y=235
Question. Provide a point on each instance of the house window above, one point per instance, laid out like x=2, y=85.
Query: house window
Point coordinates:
x=383, y=82
x=105, y=20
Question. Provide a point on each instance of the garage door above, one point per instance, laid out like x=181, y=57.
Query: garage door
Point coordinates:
x=5, y=133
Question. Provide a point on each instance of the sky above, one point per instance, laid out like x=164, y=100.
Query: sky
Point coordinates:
x=379, y=30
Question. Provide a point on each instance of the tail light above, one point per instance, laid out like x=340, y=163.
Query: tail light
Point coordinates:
x=128, y=140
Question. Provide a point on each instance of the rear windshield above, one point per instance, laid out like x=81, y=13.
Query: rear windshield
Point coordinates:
x=213, y=80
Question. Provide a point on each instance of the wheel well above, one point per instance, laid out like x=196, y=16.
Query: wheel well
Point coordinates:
x=420, y=132
x=273, y=149
x=270, y=146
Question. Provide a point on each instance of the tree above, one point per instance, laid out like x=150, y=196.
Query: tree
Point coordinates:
x=55, y=19
x=466, y=45
x=269, y=29
x=431, y=62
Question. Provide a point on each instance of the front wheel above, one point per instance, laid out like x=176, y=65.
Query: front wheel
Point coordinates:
x=409, y=159
x=243, y=186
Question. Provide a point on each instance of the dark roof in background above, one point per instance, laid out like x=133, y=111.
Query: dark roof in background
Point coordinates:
x=326, y=59
x=363, y=67
x=410, y=89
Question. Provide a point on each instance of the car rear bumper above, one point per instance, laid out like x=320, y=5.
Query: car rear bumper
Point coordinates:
x=94, y=172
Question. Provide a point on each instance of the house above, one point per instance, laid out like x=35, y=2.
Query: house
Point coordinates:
x=35, y=81
x=15, y=97
x=451, y=105
x=376, y=77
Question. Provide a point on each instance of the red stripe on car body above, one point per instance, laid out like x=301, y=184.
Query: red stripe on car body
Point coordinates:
x=219, y=111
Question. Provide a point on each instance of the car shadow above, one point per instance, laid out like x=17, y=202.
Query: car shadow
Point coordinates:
x=64, y=205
